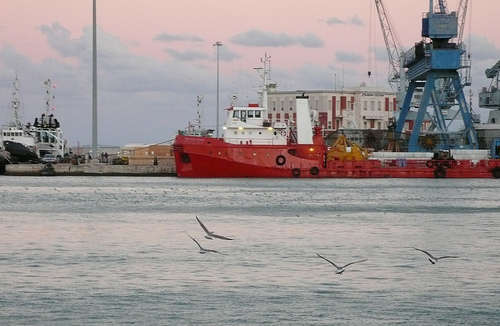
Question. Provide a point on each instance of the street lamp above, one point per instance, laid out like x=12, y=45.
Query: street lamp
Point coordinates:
x=217, y=45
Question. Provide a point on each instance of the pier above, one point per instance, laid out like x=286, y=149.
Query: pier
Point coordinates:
x=91, y=169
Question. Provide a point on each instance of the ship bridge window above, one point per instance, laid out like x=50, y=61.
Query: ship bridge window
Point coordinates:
x=243, y=115
x=250, y=113
x=236, y=114
x=257, y=114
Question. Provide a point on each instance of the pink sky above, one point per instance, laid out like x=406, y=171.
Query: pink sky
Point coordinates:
x=138, y=22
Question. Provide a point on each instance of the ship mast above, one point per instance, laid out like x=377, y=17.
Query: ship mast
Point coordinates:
x=48, y=96
x=15, y=104
x=265, y=74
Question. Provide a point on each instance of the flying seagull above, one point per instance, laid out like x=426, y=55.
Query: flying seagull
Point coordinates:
x=203, y=250
x=340, y=269
x=209, y=234
x=433, y=259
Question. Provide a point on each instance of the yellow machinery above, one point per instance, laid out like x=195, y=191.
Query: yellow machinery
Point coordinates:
x=345, y=150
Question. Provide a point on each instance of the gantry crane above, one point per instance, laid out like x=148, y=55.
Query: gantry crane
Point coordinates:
x=430, y=64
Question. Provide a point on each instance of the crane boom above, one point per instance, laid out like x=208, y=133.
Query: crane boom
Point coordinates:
x=394, y=49
x=462, y=14
x=442, y=6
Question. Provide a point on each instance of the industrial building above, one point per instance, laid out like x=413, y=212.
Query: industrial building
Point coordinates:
x=357, y=108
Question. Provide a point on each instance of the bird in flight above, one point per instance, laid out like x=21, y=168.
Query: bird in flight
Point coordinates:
x=204, y=250
x=340, y=269
x=433, y=259
x=209, y=234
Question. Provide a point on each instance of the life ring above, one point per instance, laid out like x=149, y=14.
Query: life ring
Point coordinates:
x=429, y=164
x=296, y=172
x=440, y=172
x=496, y=172
x=314, y=170
x=280, y=160
x=185, y=158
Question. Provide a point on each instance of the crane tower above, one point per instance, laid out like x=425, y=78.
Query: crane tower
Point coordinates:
x=429, y=63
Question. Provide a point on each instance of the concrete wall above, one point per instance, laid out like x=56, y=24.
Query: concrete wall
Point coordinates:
x=93, y=169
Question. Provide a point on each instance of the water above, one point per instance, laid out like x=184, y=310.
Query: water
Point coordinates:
x=100, y=251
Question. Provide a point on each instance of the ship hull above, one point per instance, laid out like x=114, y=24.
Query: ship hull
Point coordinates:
x=202, y=157
x=20, y=152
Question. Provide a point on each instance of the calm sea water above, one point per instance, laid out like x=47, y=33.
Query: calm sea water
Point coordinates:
x=100, y=251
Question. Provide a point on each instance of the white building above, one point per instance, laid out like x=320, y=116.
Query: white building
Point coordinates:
x=358, y=108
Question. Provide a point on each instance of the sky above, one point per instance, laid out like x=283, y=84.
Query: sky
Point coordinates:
x=155, y=57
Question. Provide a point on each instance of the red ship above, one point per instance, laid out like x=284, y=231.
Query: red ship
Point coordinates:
x=253, y=148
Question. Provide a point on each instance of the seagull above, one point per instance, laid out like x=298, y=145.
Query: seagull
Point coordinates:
x=433, y=259
x=203, y=250
x=209, y=234
x=340, y=269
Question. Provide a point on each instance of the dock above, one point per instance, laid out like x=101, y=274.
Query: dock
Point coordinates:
x=90, y=169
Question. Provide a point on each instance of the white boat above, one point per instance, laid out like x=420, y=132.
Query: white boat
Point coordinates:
x=16, y=138
x=47, y=131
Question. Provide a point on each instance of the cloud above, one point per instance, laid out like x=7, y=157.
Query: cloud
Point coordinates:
x=165, y=37
x=349, y=57
x=334, y=21
x=188, y=55
x=225, y=54
x=354, y=20
x=260, y=38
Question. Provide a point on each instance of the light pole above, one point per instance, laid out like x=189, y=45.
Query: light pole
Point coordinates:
x=94, y=84
x=217, y=45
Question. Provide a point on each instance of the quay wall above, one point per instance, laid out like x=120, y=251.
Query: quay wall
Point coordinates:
x=93, y=169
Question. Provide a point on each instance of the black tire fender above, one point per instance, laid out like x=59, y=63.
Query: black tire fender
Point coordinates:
x=185, y=158
x=296, y=172
x=495, y=172
x=314, y=170
x=280, y=160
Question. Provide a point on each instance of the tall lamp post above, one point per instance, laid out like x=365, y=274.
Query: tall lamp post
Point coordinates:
x=94, y=84
x=217, y=45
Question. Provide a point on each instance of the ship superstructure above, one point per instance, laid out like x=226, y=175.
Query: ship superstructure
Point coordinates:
x=47, y=129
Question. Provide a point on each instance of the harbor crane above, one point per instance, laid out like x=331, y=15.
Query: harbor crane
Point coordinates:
x=397, y=74
x=432, y=68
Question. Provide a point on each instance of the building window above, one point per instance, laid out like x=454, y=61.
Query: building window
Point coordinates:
x=379, y=106
x=366, y=125
x=372, y=105
x=270, y=116
x=291, y=109
x=274, y=109
x=365, y=105
x=379, y=125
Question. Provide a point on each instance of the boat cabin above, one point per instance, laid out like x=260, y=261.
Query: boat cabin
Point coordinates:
x=247, y=126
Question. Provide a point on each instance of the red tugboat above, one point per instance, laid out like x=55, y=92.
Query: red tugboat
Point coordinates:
x=253, y=148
